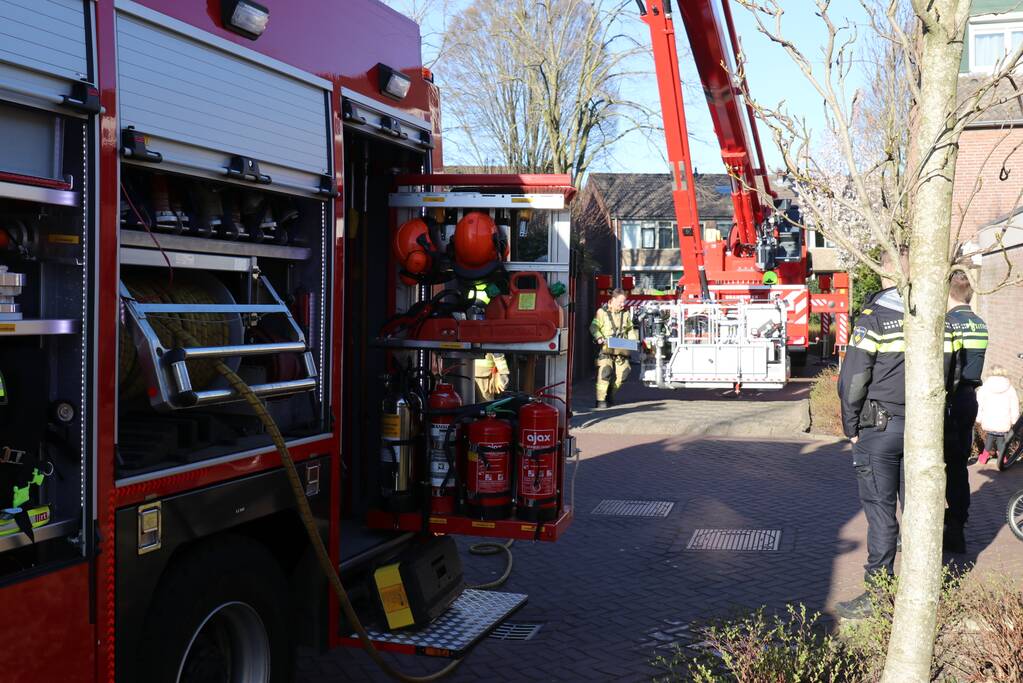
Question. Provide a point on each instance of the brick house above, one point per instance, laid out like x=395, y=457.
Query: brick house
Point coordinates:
x=636, y=211
x=989, y=177
x=634, y=215
x=987, y=143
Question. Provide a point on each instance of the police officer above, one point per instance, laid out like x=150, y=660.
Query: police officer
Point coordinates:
x=872, y=391
x=611, y=320
x=971, y=339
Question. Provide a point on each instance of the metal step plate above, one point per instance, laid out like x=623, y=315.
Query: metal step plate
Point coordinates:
x=471, y=617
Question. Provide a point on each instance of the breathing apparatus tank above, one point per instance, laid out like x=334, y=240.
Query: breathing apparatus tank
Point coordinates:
x=399, y=429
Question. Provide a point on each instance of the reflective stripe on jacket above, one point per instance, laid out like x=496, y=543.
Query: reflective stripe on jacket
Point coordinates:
x=971, y=331
x=874, y=367
x=606, y=324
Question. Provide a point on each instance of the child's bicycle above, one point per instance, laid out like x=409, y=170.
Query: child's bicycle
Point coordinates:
x=1014, y=514
x=1013, y=451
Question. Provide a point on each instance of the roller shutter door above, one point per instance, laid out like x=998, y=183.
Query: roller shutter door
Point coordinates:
x=200, y=103
x=43, y=50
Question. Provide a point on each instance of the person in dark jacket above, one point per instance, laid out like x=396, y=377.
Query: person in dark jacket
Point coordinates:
x=972, y=338
x=872, y=390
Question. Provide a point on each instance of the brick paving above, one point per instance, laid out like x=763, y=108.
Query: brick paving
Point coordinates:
x=778, y=413
x=615, y=592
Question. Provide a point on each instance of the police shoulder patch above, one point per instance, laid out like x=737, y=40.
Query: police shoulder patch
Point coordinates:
x=858, y=334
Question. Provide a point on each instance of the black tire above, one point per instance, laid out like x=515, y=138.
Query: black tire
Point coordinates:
x=1014, y=515
x=1012, y=453
x=220, y=615
x=798, y=358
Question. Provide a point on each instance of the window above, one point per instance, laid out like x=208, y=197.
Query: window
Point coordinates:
x=819, y=241
x=649, y=235
x=667, y=235
x=657, y=280
x=709, y=231
x=991, y=41
x=630, y=234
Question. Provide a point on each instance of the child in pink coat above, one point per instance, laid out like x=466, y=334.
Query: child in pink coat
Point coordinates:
x=997, y=412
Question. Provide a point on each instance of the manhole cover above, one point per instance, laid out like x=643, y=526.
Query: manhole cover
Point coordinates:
x=735, y=539
x=516, y=630
x=634, y=508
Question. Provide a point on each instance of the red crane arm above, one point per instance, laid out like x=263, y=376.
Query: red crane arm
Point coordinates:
x=713, y=42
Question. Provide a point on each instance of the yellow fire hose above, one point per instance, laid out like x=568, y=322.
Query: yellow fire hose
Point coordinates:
x=305, y=513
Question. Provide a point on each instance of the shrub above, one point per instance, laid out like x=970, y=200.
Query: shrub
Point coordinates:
x=754, y=649
x=825, y=409
x=978, y=639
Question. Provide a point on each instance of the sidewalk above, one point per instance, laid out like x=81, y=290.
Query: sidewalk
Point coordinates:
x=644, y=410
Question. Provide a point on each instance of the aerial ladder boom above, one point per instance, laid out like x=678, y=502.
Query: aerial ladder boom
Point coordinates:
x=714, y=45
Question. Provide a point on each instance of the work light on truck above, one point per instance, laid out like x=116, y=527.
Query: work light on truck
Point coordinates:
x=244, y=17
x=393, y=82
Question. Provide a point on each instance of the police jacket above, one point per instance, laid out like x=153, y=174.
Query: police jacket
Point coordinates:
x=874, y=368
x=970, y=332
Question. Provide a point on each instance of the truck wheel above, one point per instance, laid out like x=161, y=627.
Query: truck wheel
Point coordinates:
x=220, y=616
x=798, y=358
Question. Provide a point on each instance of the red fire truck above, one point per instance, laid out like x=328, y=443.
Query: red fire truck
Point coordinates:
x=740, y=316
x=219, y=223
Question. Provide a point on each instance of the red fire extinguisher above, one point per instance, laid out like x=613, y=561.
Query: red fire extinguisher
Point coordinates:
x=488, y=487
x=443, y=468
x=537, y=499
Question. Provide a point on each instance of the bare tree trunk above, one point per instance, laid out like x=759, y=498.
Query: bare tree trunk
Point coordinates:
x=911, y=646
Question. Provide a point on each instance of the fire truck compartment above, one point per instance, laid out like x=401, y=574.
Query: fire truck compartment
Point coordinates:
x=213, y=273
x=46, y=276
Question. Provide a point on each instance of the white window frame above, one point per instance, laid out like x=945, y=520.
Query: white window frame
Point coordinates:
x=818, y=240
x=992, y=24
x=632, y=231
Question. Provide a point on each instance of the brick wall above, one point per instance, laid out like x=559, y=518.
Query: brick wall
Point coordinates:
x=1001, y=310
x=982, y=152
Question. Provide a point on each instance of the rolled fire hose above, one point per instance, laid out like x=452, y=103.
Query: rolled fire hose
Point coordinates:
x=305, y=513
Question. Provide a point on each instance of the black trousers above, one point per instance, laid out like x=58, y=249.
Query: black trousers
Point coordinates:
x=958, y=443
x=877, y=457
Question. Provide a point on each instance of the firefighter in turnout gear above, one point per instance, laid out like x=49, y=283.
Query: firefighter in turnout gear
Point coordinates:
x=872, y=391
x=612, y=320
x=972, y=339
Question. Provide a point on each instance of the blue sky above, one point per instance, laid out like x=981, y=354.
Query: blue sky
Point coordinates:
x=771, y=74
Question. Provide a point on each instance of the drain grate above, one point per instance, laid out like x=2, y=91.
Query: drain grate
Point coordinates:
x=516, y=630
x=634, y=508
x=748, y=540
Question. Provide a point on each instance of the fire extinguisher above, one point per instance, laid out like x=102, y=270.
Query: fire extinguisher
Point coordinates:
x=398, y=439
x=537, y=499
x=488, y=486
x=443, y=403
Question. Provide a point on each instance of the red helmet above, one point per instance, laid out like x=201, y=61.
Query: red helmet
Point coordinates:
x=412, y=247
x=476, y=240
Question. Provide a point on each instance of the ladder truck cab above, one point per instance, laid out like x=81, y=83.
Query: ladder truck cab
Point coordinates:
x=251, y=343
x=741, y=312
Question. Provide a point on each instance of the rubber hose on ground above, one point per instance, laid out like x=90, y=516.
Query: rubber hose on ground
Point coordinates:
x=309, y=522
x=493, y=548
